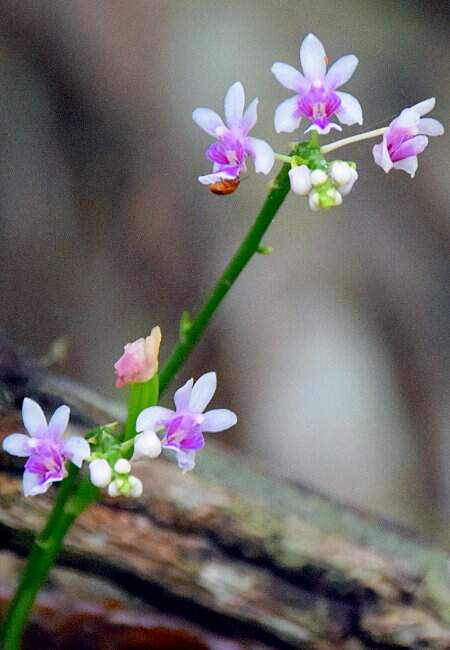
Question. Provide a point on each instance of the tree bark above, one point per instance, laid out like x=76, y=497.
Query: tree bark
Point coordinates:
x=233, y=549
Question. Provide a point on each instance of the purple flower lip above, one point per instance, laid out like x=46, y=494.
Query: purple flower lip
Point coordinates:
x=183, y=428
x=316, y=98
x=46, y=447
x=234, y=145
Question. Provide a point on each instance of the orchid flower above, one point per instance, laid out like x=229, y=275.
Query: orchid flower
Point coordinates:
x=406, y=137
x=234, y=145
x=316, y=97
x=46, y=447
x=183, y=428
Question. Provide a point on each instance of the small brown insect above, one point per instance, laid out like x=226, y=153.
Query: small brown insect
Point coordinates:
x=225, y=186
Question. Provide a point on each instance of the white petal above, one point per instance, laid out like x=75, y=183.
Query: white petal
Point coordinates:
x=234, y=104
x=285, y=120
x=289, y=77
x=429, y=126
x=262, y=154
x=408, y=165
x=185, y=460
x=381, y=156
x=250, y=116
x=350, y=111
x=209, y=179
x=33, y=418
x=424, y=107
x=76, y=449
x=202, y=392
x=313, y=58
x=341, y=71
x=17, y=444
x=59, y=420
x=150, y=417
x=218, y=420
x=325, y=129
x=183, y=395
x=32, y=485
x=207, y=120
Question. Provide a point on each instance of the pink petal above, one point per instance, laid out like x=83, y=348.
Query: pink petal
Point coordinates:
x=429, y=126
x=250, y=116
x=151, y=418
x=218, y=420
x=262, y=154
x=408, y=165
x=202, y=392
x=234, y=104
x=207, y=120
x=350, y=111
x=76, y=449
x=424, y=107
x=17, y=444
x=33, y=418
x=59, y=421
x=313, y=58
x=183, y=395
x=341, y=71
x=410, y=147
x=286, y=119
x=289, y=77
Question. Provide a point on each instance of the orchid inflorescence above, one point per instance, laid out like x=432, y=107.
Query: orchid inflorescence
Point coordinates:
x=318, y=101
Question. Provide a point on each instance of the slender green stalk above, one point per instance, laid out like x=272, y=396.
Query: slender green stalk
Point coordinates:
x=43, y=554
x=245, y=252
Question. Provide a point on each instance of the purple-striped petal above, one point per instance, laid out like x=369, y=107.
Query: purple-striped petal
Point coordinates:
x=350, y=111
x=17, y=444
x=207, y=120
x=234, y=104
x=341, y=71
x=250, y=116
x=33, y=418
x=313, y=58
x=218, y=420
x=408, y=165
x=59, y=421
x=289, y=77
x=183, y=395
x=76, y=449
x=430, y=126
x=286, y=118
x=202, y=392
x=153, y=417
x=262, y=154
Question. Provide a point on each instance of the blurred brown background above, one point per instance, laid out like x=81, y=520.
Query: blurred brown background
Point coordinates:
x=334, y=351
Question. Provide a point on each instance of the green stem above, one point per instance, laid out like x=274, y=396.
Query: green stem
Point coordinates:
x=141, y=396
x=43, y=553
x=244, y=253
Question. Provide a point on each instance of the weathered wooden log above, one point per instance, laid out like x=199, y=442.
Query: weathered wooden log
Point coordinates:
x=235, y=550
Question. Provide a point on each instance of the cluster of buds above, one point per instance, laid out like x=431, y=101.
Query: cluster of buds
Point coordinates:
x=116, y=478
x=324, y=186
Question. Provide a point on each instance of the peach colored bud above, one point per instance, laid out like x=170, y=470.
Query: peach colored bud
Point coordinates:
x=139, y=362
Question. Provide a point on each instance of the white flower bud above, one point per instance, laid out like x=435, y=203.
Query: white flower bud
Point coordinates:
x=122, y=466
x=340, y=172
x=147, y=445
x=347, y=188
x=318, y=177
x=100, y=472
x=300, y=178
x=314, y=201
x=337, y=198
x=113, y=489
x=136, y=487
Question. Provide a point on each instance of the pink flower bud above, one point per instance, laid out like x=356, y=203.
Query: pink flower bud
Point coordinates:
x=139, y=362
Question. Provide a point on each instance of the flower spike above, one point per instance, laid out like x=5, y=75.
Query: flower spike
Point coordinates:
x=316, y=96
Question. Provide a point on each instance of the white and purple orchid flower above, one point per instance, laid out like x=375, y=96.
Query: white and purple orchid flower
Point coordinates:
x=46, y=447
x=406, y=137
x=316, y=98
x=233, y=145
x=183, y=428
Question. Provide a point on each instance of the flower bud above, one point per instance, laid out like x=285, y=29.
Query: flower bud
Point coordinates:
x=113, y=489
x=122, y=466
x=147, y=445
x=136, y=487
x=314, y=201
x=347, y=188
x=340, y=172
x=318, y=177
x=100, y=472
x=139, y=362
x=300, y=178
